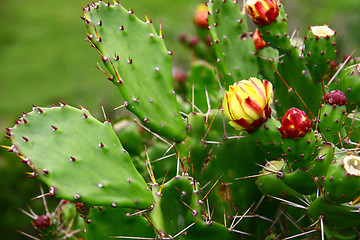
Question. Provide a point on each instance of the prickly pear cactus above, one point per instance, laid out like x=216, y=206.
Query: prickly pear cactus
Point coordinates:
x=265, y=145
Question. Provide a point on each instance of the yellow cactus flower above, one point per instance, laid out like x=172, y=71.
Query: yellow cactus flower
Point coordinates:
x=247, y=104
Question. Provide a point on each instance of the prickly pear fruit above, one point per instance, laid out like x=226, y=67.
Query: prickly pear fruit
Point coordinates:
x=298, y=138
x=333, y=114
x=319, y=50
x=272, y=26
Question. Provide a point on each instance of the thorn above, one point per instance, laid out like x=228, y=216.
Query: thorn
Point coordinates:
x=101, y=145
x=193, y=211
x=54, y=128
x=6, y=147
x=28, y=235
x=124, y=105
x=149, y=168
x=31, y=174
x=156, y=135
x=162, y=185
x=85, y=116
x=212, y=188
x=116, y=73
x=103, y=111
x=160, y=30
x=178, y=234
x=233, y=226
x=108, y=75
x=340, y=68
x=160, y=233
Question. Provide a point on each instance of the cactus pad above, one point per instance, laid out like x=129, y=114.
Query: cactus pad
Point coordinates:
x=80, y=158
x=140, y=66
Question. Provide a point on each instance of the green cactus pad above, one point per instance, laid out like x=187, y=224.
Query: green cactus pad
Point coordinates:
x=338, y=216
x=233, y=47
x=267, y=63
x=275, y=33
x=268, y=137
x=332, y=120
x=270, y=183
x=299, y=152
x=107, y=222
x=201, y=81
x=348, y=81
x=292, y=85
x=307, y=180
x=342, y=182
x=79, y=157
x=140, y=66
x=319, y=50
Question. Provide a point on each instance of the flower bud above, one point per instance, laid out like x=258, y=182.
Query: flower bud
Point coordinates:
x=247, y=104
x=336, y=97
x=262, y=12
x=42, y=222
x=294, y=124
x=259, y=42
x=201, y=16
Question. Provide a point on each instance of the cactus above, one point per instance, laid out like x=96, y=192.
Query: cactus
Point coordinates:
x=214, y=161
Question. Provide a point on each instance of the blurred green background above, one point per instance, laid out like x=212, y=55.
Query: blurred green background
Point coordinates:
x=44, y=59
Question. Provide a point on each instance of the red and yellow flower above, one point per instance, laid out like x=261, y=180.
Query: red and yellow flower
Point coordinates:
x=294, y=124
x=201, y=16
x=247, y=103
x=262, y=12
x=258, y=41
